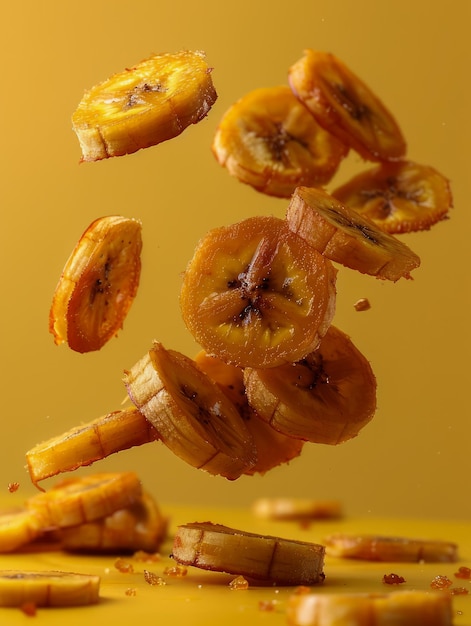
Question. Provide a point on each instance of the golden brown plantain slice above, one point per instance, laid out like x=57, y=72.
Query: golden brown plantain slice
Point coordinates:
x=384, y=548
x=255, y=294
x=399, y=197
x=191, y=414
x=272, y=560
x=327, y=397
x=345, y=106
x=144, y=105
x=98, y=284
x=273, y=448
x=90, y=442
x=346, y=237
x=47, y=588
x=407, y=608
x=269, y=140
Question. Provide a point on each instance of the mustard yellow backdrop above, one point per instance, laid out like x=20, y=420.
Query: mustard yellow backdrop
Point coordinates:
x=414, y=457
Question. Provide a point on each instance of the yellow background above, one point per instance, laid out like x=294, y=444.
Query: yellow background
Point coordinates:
x=414, y=457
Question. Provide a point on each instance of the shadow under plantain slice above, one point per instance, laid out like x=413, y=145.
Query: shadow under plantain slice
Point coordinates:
x=348, y=238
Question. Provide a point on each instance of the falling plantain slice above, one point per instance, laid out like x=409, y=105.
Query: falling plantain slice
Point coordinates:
x=273, y=448
x=90, y=442
x=98, y=284
x=191, y=414
x=257, y=295
x=144, y=105
x=273, y=560
x=345, y=106
x=398, y=197
x=348, y=238
x=269, y=140
x=327, y=397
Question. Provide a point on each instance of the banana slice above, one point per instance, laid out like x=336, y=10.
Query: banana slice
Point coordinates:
x=47, y=588
x=270, y=141
x=18, y=527
x=90, y=442
x=144, y=105
x=296, y=509
x=78, y=500
x=273, y=448
x=327, y=397
x=383, y=548
x=272, y=560
x=256, y=295
x=399, y=197
x=140, y=526
x=98, y=284
x=348, y=238
x=407, y=608
x=345, y=106
x=191, y=414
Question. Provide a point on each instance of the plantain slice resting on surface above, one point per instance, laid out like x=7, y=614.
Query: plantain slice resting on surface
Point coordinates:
x=273, y=560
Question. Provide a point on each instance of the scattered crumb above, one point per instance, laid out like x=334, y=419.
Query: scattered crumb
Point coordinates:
x=124, y=566
x=363, y=304
x=459, y=591
x=463, y=572
x=12, y=487
x=177, y=571
x=267, y=605
x=239, y=583
x=147, y=557
x=302, y=589
x=393, y=579
x=152, y=578
x=29, y=609
x=130, y=591
x=441, y=582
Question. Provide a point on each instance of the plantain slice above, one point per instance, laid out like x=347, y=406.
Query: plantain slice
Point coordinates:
x=151, y=102
x=272, y=560
x=345, y=106
x=399, y=197
x=269, y=140
x=257, y=295
x=190, y=413
x=407, y=608
x=47, y=588
x=273, y=448
x=78, y=500
x=327, y=397
x=345, y=236
x=139, y=526
x=98, y=284
x=385, y=548
x=90, y=442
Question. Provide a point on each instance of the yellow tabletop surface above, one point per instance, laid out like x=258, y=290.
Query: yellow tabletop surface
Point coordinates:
x=202, y=597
